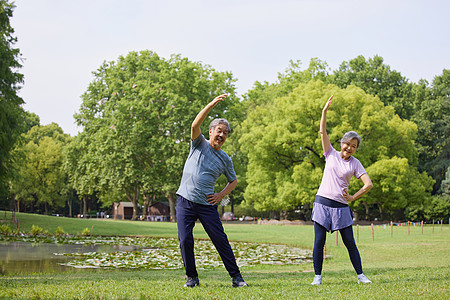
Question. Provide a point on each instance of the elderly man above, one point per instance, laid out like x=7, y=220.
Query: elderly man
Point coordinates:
x=196, y=198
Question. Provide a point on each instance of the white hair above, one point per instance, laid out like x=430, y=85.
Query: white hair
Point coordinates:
x=216, y=122
x=350, y=135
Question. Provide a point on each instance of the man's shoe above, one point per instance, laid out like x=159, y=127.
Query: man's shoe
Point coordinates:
x=363, y=279
x=238, y=281
x=192, y=282
x=317, y=280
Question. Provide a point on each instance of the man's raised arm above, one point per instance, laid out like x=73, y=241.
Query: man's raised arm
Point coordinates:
x=195, y=127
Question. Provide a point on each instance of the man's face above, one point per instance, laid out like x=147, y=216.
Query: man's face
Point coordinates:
x=218, y=135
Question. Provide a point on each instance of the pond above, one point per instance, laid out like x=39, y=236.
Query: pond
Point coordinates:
x=31, y=254
x=25, y=257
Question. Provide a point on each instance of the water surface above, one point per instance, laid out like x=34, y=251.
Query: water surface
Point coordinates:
x=26, y=258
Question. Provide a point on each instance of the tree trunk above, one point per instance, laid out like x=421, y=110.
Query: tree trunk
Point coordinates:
x=172, y=204
x=272, y=214
x=364, y=203
x=84, y=206
x=18, y=203
x=148, y=201
x=232, y=204
x=80, y=212
x=69, y=203
x=134, y=198
x=381, y=212
x=33, y=203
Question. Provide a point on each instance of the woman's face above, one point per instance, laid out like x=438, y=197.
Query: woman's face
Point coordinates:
x=348, y=147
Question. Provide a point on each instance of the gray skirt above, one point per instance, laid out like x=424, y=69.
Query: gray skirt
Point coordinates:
x=331, y=214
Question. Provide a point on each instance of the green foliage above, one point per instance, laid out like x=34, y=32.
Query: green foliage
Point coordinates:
x=397, y=185
x=445, y=185
x=257, y=98
x=136, y=116
x=30, y=120
x=86, y=232
x=376, y=78
x=59, y=231
x=428, y=107
x=241, y=211
x=436, y=135
x=36, y=230
x=40, y=179
x=438, y=208
x=263, y=93
x=284, y=150
x=5, y=229
x=11, y=111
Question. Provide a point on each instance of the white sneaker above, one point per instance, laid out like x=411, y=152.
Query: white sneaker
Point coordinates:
x=317, y=280
x=363, y=279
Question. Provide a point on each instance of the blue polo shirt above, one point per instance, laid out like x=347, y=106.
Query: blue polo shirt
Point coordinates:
x=203, y=167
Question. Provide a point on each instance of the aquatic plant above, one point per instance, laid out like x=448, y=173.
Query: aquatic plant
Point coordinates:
x=163, y=253
x=59, y=231
x=5, y=229
x=36, y=230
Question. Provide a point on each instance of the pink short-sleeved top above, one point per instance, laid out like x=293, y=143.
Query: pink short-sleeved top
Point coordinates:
x=337, y=174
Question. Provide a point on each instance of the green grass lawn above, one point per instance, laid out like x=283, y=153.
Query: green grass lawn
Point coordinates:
x=405, y=266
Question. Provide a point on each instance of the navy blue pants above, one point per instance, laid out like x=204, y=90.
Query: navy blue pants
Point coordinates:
x=187, y=213
x=347, y=237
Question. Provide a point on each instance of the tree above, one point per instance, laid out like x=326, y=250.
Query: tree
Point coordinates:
x=82, y=169
x=263, y=93
x=436, y=137
x=445, y=184
x=438, y=208
x=283, y=147
x=376, y=78
x=136, y=116
x=11, y=112
x=41, y=180
x=398, y=186
x=258, y=98
x=426, y=106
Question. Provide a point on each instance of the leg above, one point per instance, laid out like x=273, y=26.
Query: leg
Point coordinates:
x=209, y=217
x=186, y=218
x=349, y=242
x=319, y=242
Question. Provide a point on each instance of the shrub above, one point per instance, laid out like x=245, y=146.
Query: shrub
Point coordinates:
x=59, y=231
x=36, y=230
x=86, y=232
x=438, y=208
x=5, y=229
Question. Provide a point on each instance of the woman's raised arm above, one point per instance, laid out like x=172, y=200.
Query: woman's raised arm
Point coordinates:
x=323, y=127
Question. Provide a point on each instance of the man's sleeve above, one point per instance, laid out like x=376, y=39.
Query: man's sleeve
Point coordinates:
x=229, y=172
x=195, y=143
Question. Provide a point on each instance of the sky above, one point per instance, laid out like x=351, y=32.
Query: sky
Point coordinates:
x=63, y=41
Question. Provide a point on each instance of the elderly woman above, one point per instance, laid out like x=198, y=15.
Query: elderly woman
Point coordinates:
x=331, y=211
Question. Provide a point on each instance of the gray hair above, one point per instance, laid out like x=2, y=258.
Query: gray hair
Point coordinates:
x=350, y=135
x=216, y=122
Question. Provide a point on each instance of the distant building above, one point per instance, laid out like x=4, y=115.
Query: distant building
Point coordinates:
x=159, y=211
x=122, y=210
